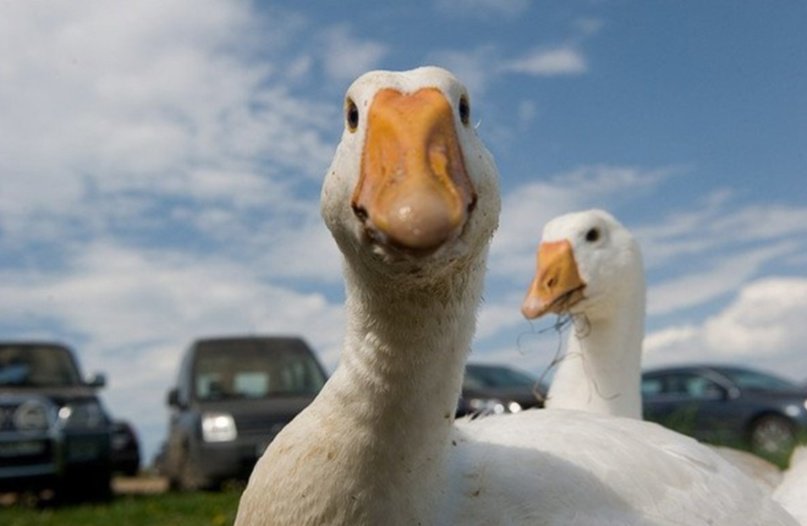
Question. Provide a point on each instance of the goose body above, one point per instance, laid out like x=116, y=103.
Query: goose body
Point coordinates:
x=590, y=267
x=411, y=199
x=792, y=492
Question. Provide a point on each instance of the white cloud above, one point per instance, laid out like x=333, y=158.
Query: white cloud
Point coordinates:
x=699, y=285
x=717, y=223
x=163, y=120
x=763, y=326
x=548, y=63
x=766, y=319
x=669, y=337
x=763, y=222
x=132, y=297
x=482, y=66
x=156, y=99
x=714, y=247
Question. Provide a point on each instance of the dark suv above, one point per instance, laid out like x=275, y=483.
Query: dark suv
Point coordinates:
x=54, y=432
x=233, y=395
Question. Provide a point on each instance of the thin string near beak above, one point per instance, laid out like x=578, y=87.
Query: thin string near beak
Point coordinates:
x=560, y=323
x=582, y=328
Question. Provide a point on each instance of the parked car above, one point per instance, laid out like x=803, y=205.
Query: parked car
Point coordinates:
x=494, y=389
x=233, y=395
x=54, y=431
x=125, y=449
x=727, y=405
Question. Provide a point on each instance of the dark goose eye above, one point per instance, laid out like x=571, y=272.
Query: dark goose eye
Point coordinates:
x=592, y=235
x=465, y=110
x=351, y=115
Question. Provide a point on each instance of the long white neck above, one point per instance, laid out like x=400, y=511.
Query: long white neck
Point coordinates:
x=601, y=371
x=400, y=377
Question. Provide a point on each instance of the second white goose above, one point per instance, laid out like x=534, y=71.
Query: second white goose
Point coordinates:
x=590, y=267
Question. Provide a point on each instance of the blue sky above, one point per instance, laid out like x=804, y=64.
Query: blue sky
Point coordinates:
x=160, y=168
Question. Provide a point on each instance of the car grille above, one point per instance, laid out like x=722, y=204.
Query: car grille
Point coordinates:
x=30, y=415
x=261, y=426
x=7, y=416
x=25, y=452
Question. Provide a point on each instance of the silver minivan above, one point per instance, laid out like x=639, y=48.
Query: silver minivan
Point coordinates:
x=233, y=395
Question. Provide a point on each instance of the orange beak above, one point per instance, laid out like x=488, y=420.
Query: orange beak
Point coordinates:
x=557, y=284
x=413, y=191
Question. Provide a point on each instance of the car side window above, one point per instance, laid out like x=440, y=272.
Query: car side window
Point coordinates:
x=694, y=386
x=652, y=386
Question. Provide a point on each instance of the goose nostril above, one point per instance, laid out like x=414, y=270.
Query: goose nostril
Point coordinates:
x=551, y=282
x=472, y=204
x=360, y=212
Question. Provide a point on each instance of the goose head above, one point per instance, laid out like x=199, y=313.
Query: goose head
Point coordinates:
x=586, y=263
x=411, y=187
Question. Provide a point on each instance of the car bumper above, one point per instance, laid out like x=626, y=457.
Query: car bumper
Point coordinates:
x=225, y=460
x=29, y=461
x=39, y=461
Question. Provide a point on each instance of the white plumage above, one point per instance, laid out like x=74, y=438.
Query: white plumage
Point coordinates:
x=590, y=266
x=379, y=445
x=792, y=492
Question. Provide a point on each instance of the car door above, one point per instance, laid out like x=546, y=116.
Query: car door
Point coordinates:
x=666, y=402
x=687, y=401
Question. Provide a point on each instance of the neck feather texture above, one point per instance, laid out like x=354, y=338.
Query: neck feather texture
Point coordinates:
x=405, y=350
x=601, y=371
x=400, y=377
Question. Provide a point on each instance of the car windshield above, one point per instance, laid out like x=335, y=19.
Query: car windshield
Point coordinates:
x=495, y=377
x=754, y=380
x=37, y=366
x=253, y=370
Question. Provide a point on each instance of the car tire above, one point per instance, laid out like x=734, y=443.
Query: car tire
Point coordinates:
x=772, y=435
x=99, y=488
x=189, y=478
x=95, y=486
x=132, y=470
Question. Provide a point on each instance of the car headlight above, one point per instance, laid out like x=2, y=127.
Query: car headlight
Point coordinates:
x=82, y=415
x=32, y=416
x=218, y=427
x=792, y=410
x=487, y=406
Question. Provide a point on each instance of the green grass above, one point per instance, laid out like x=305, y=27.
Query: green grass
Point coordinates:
x=169, y=509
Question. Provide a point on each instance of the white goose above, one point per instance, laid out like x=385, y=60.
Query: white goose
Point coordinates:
x=412, y=201
x=590, y=266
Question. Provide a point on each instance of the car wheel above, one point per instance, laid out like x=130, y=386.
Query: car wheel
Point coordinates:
x=772, y=435
x=92, y=486
x=100, y=487
x=189, y=477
